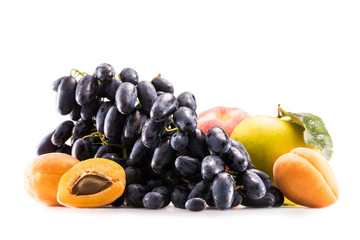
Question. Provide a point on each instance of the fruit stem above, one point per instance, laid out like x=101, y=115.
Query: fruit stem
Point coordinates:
x=279, y=114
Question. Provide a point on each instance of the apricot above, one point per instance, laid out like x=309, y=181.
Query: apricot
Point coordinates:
x=42, y=176
x=305, y=177
x=95, y=182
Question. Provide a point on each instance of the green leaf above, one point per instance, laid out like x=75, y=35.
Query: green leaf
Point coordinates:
x=315, y=133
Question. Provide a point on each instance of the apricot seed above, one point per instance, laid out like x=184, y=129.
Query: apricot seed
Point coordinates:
x=305, y=177
x=42, y=176
x=91, y=183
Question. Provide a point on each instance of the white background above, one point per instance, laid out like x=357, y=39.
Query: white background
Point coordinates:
x=247, y=54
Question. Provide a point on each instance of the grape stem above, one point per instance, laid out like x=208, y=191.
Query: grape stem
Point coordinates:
x=75, y=73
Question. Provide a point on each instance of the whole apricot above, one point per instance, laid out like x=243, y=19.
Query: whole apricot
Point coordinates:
x=42, y=176
x=305, y=177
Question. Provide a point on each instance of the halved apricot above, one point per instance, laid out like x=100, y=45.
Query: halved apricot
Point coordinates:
x=92, y=183
x=42, y=176
x=305, y=177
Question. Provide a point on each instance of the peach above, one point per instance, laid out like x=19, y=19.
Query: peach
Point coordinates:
x=224, y=117
x=42, y=176
x=305, y=177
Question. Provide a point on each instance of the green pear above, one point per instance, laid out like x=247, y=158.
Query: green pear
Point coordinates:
x=267, y=138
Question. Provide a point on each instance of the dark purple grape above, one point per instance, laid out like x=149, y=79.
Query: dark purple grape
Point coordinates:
x=195, y=204
x=133, y=126
x=237, y=144
x=64, y=149
x=147, y=95
x=179, y=196
x=211, y=165
x=56, y=83
x=86, y=90
x=179, y=140
x=133, y=175
x=202, y=190
x=118, y=202
x=112, y=157
x=185, y=119
x=82, y=128
x=46, y=145
x=134, y=195
x=187, y=99
x=129, y=75
x=164, y=156
x=88, y=111
x=62, y=133
x=197, y=144
x=150, y=133
x=81, y=150
x=125, y=97
x=105, y=72
x=223, y=190
x=108, y=89
x=162, y=84
x=217, y=140
x=113, y=125
x=165, y=192
x=75, y=113
x=237, y=199
x=279, y=197
x=171, y=179
x=188, y=167
x=235, y=160
x=264, y=177
x=266, y=201
x=153, y=200
x=65, y=101
x=251, y=184
x=102, y=151
x=139, y=154
x=164, y=106
x=101, y=115
x=154, y=182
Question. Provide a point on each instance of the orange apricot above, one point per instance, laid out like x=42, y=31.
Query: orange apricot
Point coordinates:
x=305, y=177
x=42, y=176
x=94, y=182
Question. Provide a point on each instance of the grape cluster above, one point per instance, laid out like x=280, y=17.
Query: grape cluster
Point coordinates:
x=153, y=135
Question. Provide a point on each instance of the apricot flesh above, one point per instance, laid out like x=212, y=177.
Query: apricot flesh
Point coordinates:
x=305, y=177
x=42, y=176
x=95, y=182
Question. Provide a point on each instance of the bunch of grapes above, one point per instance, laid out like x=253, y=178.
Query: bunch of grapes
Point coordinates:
x=153, y=135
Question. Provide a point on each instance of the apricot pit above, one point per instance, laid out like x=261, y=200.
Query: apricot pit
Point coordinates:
x=94, y=182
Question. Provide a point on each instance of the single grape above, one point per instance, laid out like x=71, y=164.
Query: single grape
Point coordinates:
x=185, y=119
x=162, y=84
x=65, y=101
x=164, y=156
x=64, y=148
x=150, y=133
x=179, y=140
x=223, y=190
x=147, y=95
x=197, y=144
x=82, y=128
x=188, y=167
x=171, y=179
x=113, y=125
x=75, y=112
x=118, y=202
x=195, y=204
x=211, y=165
x=138, y=154
x=81, y=149
x=237, y=199
x=164, y=106
x=217, y=140
x=102, y=151
x=88, y=111
x=165, y=192
x=86, y=90
x=179, y=196
x=133, y=175
x=251, y=184
x=125, y=98
x=56, y=83
x=101, y=114
x=154, y=182
x=129, y=75
x=187, y=99
x=133, y=126
x=279, y=197
x=266, y=201
x=62, y=133
x=46, y=145
x=237, y=144
x=153, y=200
x=108, y=89
x=202, y=190
x=104, y=72
x=112, y=157
x=134, y=194
x=264, y=177
x=235, y=160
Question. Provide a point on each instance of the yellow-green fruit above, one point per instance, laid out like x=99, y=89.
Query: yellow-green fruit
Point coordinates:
x=267, y=138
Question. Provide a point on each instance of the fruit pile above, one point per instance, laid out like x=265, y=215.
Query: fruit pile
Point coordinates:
x=152, y=135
